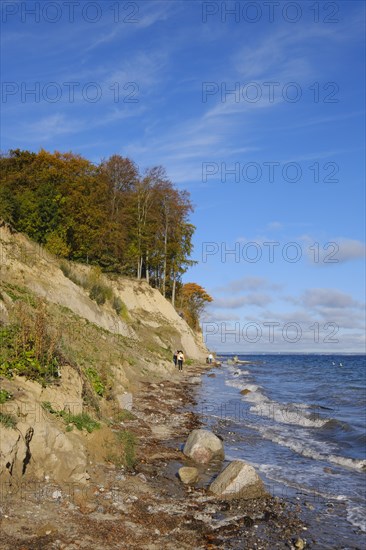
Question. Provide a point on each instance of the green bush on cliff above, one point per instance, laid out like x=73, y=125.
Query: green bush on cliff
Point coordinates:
x=100, y=293
x=27, y=346
x=123, y=415
x=8, y=420
x=81, y=421
x=4, y=396
x=120, y=307
x=72, y=275
x=23, y=354
x=95, y=381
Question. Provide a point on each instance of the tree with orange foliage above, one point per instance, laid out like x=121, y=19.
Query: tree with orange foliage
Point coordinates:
x=193, y=299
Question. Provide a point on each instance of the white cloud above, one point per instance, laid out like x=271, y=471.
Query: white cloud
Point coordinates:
x=350, y=249
x=247, y=283
x=254, y=299
x=328, y=297
x=335, y=251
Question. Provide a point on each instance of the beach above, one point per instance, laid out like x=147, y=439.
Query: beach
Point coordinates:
x=147, y=507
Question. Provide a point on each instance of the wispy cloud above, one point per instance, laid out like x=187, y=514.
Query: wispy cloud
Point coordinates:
x=252, y=299
x=329, y=298
x=337, y=250
x=248, y=283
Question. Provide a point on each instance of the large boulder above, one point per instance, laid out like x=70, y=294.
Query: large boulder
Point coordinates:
x=238, y=480
x=203, y=446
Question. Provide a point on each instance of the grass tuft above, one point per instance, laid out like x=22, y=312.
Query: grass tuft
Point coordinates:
x=81, y=421
x=8, y=420
x=124, y=453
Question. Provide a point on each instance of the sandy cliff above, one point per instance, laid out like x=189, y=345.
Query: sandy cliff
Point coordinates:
x=98, y=346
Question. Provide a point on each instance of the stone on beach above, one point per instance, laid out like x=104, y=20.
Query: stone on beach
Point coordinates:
x=187, y=474
x=202, y=446
x=245, y=391
x=125, y=401
x=194, y=380
x=238, y=480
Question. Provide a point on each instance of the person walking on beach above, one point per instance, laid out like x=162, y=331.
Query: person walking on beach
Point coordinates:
x=175, y=358
x=210, y=358
x=180, y=359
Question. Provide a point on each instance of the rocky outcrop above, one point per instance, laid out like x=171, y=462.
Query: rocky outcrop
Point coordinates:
x=203, y=446
x=238, y=480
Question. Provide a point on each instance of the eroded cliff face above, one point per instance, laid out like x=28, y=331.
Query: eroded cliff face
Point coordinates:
x=24, y=263
x=99, y=346
x=39, y=446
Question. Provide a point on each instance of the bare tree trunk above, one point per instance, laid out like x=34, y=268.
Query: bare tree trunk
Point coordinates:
x=147, y=267
x=139, y=268
x=165, y=256
x=173, y=290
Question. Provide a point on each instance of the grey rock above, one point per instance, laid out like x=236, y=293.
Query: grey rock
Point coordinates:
x=125, y=401
x=188, y=475
x=202, y=446
x=238, y=480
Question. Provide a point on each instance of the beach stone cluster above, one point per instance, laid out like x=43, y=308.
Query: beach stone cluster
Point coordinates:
x=237, y=480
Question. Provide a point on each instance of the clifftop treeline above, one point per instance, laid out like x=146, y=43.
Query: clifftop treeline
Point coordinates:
x=109, y=215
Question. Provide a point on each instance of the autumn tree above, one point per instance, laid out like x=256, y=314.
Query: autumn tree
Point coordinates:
x=108, y=215
x=193, y=299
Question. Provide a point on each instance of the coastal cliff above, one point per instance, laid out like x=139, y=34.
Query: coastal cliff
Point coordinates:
x=104, y=336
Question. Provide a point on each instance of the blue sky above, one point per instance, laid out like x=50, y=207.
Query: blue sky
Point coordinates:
x=259, y=113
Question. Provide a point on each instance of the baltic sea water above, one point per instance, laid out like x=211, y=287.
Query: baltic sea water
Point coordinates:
x=302, y=424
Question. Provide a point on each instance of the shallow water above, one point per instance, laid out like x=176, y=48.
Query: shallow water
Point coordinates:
x=302, y=425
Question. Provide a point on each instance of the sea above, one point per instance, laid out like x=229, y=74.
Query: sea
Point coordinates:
x=301, y=422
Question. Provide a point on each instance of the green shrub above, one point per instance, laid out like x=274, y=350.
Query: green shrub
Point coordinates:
x=67, y=270
x=128, y=440
x=46, y=405
x=120, y=307
x=4, y=396
x=125, y=452
x=100, y=293
x=8, y=420
x=56, y=243
x=96, y=381
x=26, y=349
x=81, y=421
x=19, y=294
x=123, y=415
